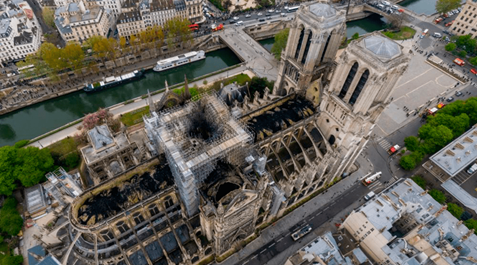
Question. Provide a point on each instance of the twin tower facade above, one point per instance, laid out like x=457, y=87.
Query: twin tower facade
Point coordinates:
x=351, y=89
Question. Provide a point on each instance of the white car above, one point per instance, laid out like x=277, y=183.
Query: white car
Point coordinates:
x=277, y=11
x=248, y=15
x=236, y=18
x=259, y=14
x=271, y=11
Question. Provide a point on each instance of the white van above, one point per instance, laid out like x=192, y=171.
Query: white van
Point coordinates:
x=283, y=14
x=239, y=23
x=369, y=196
x=472, y=169
x=437, y=35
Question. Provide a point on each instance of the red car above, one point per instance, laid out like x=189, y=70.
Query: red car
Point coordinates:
x=473, y=71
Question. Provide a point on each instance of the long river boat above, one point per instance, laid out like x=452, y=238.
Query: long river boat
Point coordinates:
x=112, y=81
x=179, y=60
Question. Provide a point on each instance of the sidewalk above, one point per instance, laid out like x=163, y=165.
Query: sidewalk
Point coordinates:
x=284, y=224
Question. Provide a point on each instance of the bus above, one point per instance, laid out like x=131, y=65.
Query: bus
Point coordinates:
x=293, y=9
x=300, y=233
x=26, y=67
x=194, y=27
x=371, y=179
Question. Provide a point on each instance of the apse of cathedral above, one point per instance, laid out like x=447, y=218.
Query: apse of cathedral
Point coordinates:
x=201, y=176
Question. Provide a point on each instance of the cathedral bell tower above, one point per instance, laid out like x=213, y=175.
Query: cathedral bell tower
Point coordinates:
x=315, y=36
x=360, y=88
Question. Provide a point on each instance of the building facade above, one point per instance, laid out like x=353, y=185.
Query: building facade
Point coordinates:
x=78, y=21
x=466, y=21
x=20, y=33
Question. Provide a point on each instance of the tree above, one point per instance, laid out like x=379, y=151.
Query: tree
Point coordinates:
x=473, y=60
x=355, y=36
x=74, y=55
x=280, y=43
x=411, y=143
x=93, y=119
x=32, y=165
x=420, y=181
x=7, y=166
x=455, y=210
x=12, y=260
x=450, y=47
x=471, y=224
x=438, y=196
x=407, y=162
x=52, y=56
x=48, y=15
x=462, y=53
x=396, y=21
x=444, y=6
x=10, y=220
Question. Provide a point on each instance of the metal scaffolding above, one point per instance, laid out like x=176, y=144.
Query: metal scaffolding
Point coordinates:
x=192, y=156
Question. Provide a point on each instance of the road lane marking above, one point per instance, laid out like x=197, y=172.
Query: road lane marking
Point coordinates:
x=288, y=234
x=271, y=245
x=245, y=262
x=280, y=239
x=254, y=256
x=312, y=218
x=263, y=251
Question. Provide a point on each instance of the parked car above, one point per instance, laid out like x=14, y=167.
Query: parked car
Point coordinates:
x=458, y=93
x=449, y=99
x=437, y=35
x=260, y=14
x=473, y=71
x=248, y=15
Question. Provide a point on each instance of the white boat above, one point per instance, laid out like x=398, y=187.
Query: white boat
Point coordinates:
x=179, y=60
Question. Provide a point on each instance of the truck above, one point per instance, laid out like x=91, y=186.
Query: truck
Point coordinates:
x=371, y=179
x=300, y=233
x=393, y=149
x=217, y=28
x=459, y=62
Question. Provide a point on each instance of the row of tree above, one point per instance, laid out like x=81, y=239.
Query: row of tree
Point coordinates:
x=447, y=124
x=51, y=60
x=463, y=46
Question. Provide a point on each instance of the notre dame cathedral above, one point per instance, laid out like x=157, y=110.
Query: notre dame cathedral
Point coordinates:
x=210, y=170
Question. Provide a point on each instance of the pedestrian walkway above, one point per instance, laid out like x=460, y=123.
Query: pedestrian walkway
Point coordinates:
x=376, y=186
x=284, y=225
x=385, y=144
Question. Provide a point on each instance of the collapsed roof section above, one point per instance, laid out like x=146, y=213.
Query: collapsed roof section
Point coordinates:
x=194, y=137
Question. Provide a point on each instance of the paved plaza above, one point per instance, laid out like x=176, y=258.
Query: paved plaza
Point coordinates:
x=419, y=84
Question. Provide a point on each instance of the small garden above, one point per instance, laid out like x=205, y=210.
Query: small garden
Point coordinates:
x=439, y=130
x=403, y=33
x=457, y=211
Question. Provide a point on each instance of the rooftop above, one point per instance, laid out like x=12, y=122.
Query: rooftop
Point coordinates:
x=103, y=143
x=111, y=198
x=457, y=155
x=382, y=46
x=323, y=10
x=35, y=199
x=278, y=116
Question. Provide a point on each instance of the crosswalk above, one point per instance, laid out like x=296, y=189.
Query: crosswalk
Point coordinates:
x=461, y=177
x=376, y=186
x=385, y=144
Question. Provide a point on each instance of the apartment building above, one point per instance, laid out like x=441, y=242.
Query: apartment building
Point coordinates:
x=466, y=21
x=130, y=23
x=20, y=34
x=78, y=22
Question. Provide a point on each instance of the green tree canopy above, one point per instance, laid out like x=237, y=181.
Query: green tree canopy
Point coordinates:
x=411, y=143
x=471, y=224
x=407, y=162
x=458, y=124
x=74, y=55
x=12, y=260
x=450, y=47
x=7, y=167
x=420, y=181
x=280, y=43
x=10, y=220
x=438, y=196
x=32, y=164
x=455, y=210
x=444, y=6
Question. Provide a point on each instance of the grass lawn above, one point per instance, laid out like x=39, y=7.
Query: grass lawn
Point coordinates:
x=4, y=251
x=403, y=34
x=135, y=116
x=241, y=79
x=64, y=146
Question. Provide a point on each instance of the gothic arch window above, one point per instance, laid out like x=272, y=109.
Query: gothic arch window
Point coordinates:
x=307, y=47
x=349, y=79
x=122, y=227
x=106, y=234
x=326, y=47
x=332, y=139
x=300, y=41
x=168, y=202
x=138, y=218
x=153, y=210
x=359, y=87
